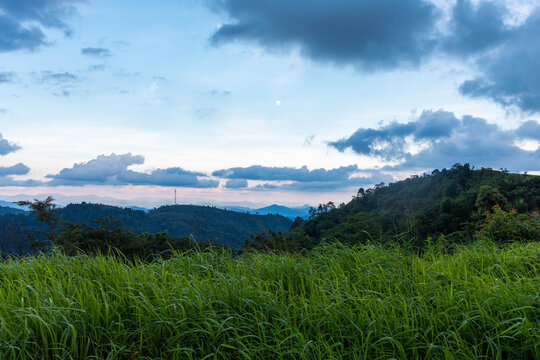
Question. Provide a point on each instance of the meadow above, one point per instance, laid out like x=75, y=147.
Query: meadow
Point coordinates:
x=476, y=301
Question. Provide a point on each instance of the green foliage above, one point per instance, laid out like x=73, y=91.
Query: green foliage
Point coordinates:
x=44, y=211
x=478, y=302
x=488, y=197
x=510, y=226
x=109, y=237
x=202, y=223
x=269, y=241
x=448, y=202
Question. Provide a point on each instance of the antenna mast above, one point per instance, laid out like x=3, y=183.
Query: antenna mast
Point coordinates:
x=174, y=196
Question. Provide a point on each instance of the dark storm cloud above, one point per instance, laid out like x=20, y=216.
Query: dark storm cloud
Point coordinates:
x=368, y=34
x=96, y=52
x=382, y=34
x=510, y=75
x=113, y=170
x=303, y=174
x=7, y=147
x=529, y=130
x=476, y=28
x=451, y=140
x=22, y=22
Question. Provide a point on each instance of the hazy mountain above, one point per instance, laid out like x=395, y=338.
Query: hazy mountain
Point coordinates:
x=12, y=205
x=288, y=212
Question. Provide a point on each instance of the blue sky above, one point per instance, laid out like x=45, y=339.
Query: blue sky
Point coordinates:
x=260, y=102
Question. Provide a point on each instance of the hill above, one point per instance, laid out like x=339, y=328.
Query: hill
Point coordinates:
x=10, y=210
x=6, y=205
x=288, y=212
x=447, y=201
x=204, y=223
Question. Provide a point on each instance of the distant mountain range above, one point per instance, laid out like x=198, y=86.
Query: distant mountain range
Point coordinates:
x=11, y=205
x=204, y=223
x=291, y=213
x=288, y=212
x=10, y=210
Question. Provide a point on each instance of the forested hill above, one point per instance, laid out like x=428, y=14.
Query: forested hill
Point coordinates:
x=448, y=201
x=10, y=210
x=203, y=222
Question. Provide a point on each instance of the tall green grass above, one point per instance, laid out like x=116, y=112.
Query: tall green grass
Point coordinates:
x=480, y=302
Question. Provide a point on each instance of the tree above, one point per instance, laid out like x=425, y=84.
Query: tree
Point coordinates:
x=44, y=211
x=489, y=196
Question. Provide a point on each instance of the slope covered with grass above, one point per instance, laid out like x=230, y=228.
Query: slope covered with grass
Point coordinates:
x=478, y=302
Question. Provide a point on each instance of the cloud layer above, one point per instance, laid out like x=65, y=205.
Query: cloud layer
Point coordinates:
x=369, y=34
x=389, y=142
x=258, y=172
x=7, y=147
x=113, y=170
x=444, y=140
x=300, y=179
x=236, y=184
x=393, y=33
x=473, y=29
x=17, y=169
x=510, y=75
x=22, y=23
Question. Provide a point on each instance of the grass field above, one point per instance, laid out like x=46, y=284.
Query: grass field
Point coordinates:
x=479, y=302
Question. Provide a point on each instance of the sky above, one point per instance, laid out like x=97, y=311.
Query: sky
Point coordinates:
x=255, y=102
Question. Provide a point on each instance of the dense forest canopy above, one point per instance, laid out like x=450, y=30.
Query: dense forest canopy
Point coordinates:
x=202, y=223
x=450, y=202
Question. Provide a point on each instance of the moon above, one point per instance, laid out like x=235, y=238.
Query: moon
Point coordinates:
x=278, y=102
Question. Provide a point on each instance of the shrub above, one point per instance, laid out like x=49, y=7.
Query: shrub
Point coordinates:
x=508, y=226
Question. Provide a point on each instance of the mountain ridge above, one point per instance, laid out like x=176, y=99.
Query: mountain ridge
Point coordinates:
x=448, y=202
x=203, y=223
